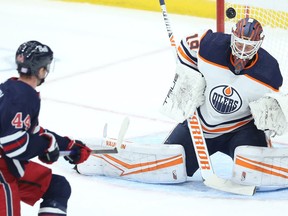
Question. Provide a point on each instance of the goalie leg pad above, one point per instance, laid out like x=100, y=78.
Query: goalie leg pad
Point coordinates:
x=148, y=163
x=261, y=166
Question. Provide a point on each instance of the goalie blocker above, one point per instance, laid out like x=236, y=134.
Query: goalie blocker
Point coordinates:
x=148, y=163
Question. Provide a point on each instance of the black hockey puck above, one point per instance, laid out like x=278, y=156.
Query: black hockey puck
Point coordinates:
x=230, y=13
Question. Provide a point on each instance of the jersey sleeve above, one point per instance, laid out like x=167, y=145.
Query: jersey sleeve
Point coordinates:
x=188, y=51
x=17, y=140
x=64, y=142
x=20, y=134
x=23, y=145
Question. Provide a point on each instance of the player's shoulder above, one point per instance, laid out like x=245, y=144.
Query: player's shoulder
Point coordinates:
x=215, y=47
x=18, y=92
x=267, y=69
x=215, y=38
x=205, y=39
x=266, y=58
x=206, y=42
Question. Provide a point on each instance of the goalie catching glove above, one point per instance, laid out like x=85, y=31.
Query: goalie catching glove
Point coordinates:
x=271, y=113
x=79, y=152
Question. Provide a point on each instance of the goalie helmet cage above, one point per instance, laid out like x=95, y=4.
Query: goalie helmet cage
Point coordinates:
x=273, y=16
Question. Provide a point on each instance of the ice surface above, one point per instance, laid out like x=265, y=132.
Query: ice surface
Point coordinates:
x=111, y=63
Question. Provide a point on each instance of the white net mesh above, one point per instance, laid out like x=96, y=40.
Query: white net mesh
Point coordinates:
x=273, y=15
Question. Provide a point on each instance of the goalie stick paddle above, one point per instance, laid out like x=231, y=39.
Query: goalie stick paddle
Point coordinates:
x=104, y=150
x=205, y=164
x=104, y=133
x=203, y=158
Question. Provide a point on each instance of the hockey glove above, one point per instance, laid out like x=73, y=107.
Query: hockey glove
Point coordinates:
x=79, y=152
x=52, y=152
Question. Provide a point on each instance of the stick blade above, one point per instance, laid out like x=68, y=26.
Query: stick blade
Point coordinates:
x=228, y=186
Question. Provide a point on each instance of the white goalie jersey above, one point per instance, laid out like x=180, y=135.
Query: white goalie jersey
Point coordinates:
x=227, y=95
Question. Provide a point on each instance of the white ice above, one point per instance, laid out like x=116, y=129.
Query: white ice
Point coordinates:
x=111, y=63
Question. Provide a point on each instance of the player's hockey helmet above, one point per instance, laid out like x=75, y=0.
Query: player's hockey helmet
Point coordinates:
x=31, y=56
x=246, y=38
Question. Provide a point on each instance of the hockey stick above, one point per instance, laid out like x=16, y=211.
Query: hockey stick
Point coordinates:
x=268, y=135
x=122, y=132
x=104, y=133
x=198, y=140
x=94, y=151
x=102, y=150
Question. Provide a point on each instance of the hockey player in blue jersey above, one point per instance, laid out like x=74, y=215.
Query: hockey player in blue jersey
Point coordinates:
x=237, y=71
x=22, y=138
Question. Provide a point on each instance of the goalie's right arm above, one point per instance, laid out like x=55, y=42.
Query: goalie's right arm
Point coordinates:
x=187, y=90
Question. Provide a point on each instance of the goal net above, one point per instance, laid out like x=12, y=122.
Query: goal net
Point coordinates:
x=273, y=15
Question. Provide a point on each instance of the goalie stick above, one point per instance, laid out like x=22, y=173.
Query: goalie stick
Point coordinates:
x=103, y=150
x=199, y=143
x=122, y=132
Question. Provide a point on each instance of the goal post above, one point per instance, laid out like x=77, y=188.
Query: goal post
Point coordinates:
x=273, y=15
x=220, y=14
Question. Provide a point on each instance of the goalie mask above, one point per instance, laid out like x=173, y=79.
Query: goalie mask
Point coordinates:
x=246, y=39
x=31, y=56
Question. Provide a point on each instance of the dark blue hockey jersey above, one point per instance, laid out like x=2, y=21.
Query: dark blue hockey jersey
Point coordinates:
x=20, y=138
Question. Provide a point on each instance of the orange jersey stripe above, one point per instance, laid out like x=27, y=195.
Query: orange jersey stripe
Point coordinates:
x=225, y=129
x=262, y=83
x=185, y=56
x=213, y=63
